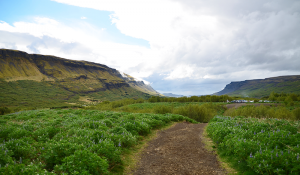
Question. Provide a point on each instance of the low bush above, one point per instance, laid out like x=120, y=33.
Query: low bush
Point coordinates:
x=200, y=113
x=296, y=113
x=162, y=109
x=257, y=146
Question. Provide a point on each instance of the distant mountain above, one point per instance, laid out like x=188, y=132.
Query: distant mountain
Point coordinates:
x=263, y=87
x=76, y=79
x=172, y=95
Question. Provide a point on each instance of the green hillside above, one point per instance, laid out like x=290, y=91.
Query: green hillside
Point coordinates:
x=33, y=81
x=263, y=87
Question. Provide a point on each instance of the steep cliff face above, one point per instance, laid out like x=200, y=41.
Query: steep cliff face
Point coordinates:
x=233, y=86
x=74, y=76
x=138, y=84
x=263, y=87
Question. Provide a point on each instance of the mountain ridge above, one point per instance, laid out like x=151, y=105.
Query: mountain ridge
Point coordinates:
x=262, y=87
x=22, y=73
x=18, y=65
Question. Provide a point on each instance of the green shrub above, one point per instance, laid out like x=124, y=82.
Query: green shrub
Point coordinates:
x=200, y=113
x=12, y=169
x=19, y=133
x=162, y=109
x=83, y=162
x=261, y=111
x=4, y=110
x=20, y=148
x=63, y=141
x=260, y=146
x=54, y=152
x=296, y=113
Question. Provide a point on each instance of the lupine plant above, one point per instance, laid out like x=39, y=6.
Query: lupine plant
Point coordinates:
x=267, y=146
x=71, y=141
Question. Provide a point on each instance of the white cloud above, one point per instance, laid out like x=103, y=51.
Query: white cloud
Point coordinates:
x=192, y=40
x=116, y=55
x=83, y=17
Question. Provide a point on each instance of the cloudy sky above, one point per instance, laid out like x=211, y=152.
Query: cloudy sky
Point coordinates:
x=187, y=47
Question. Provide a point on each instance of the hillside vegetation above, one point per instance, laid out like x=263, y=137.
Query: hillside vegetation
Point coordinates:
x=263, y=87
x=37, y=81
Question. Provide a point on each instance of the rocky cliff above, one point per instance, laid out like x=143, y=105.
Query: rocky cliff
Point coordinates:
x=263, y=87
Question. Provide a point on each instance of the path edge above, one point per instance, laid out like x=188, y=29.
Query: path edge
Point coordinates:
x=210, y=146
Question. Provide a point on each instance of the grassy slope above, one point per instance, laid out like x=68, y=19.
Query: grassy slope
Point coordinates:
x=34, y=81
x=77, y=76
x=264, y=88
x=32, y=94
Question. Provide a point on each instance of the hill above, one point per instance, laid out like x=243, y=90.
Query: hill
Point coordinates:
x=263, y=87
x=172, y=95
x=49, y=80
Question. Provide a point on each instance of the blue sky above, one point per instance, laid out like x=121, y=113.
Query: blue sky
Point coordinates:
x=25, y=10
x=183, y=47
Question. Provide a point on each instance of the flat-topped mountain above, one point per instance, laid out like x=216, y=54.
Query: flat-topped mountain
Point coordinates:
x=263, y=87
x=75, y=77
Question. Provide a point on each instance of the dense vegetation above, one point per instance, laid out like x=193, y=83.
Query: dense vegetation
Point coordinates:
x=279, y=112
x=199, y=111
x=257, y=146
x=72, y=141
x=287, y=98
x=204, y=98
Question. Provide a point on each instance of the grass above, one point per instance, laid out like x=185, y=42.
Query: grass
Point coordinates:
x=199, y=111
x=31, y=94
x=279, y=112
x=28, y=94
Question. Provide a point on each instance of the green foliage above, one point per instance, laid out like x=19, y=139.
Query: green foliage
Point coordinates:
x=83, y=162
x=162, y=109
x=4, y=110
x=268, y=146
x=72, y=141
x=200, y=113
x=206, y=98
x=29, y=95
x=262, y=111
x=193, y=110
x=272, y=96
x=297, y=113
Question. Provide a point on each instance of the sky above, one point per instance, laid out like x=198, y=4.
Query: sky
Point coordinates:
x=186, y=47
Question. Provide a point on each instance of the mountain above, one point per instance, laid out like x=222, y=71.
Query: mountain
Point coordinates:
x=21, y=72
x=263, y=87
x=172, y=95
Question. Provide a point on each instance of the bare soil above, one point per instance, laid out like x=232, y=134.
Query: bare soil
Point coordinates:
x=237, y=105
x=178, y=150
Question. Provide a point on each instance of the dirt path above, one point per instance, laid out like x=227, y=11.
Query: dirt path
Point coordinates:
x=178, y=150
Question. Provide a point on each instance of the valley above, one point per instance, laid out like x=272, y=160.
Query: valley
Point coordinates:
x=58, y=115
